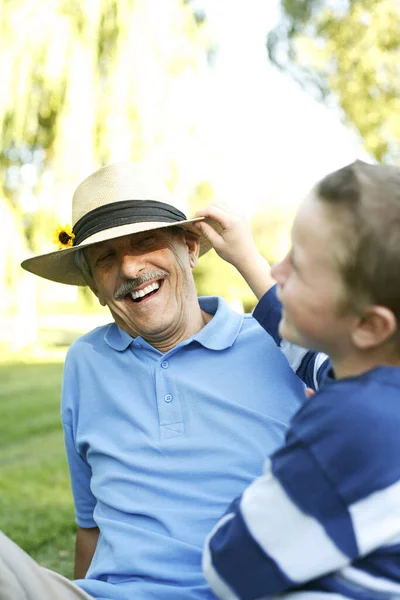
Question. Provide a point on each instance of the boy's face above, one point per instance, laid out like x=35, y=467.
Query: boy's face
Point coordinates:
x=310, y=286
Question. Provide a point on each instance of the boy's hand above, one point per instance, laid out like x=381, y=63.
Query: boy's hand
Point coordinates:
x=235, y=244
x=234, y=241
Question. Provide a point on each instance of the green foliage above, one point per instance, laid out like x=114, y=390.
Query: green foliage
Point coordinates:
x=216, y=277
x=36, y=508
x=213, y=276
x=70, y=83
x=76, y=91
x=84, y=83
x=350, y=53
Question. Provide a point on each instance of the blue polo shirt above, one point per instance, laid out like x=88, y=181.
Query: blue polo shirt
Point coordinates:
x=158, y=445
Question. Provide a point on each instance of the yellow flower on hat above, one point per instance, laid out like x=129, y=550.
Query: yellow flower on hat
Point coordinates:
x=63, y=237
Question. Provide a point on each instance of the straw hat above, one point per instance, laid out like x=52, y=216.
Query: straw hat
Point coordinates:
x=116, y=200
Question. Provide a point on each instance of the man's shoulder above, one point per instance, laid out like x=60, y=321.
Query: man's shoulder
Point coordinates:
x=217, y=305
x=92, y=339
x=228, y=315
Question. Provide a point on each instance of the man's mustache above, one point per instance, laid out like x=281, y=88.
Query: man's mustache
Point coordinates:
x=130, y=285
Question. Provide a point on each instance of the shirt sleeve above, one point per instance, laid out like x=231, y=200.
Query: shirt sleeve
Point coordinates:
x=79, y=469
x=80, y=475
x=310, y=366
x=278, y=535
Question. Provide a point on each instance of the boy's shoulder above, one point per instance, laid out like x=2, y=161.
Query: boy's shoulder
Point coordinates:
x=352, y=425
x=356, y=401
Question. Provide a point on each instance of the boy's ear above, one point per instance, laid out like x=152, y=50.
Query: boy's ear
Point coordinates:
x=376, y=326
x=192, y=242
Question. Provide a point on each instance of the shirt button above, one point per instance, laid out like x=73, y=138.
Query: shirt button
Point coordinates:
x=164, y=364
x=168, y=398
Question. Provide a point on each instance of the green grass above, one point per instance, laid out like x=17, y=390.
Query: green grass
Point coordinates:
x=36, y=508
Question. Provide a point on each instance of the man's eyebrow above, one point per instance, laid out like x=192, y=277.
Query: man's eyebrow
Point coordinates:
x=101, y=245
x=96, y=250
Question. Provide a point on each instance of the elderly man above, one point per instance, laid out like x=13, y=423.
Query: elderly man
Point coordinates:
x=169, y=412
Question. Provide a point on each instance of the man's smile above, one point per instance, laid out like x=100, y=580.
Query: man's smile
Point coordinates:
x=149, y=290
x=142, y=287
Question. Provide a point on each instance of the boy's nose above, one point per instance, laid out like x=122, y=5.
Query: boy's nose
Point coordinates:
x=279, y=271
x=276, y=271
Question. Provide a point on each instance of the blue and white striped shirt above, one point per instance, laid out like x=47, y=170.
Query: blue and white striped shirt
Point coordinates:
x=323, y=521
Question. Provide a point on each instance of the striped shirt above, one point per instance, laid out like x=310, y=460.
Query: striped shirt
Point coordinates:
x=323, y=521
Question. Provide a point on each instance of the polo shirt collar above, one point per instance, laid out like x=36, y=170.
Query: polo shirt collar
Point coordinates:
x=222, y=330
x=117, y=338
x=219, y=333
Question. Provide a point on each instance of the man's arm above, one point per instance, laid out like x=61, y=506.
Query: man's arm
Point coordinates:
x=79, y=469
x=86, y=542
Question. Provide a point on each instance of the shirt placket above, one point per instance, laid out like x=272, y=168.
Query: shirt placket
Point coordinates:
x=168, y=401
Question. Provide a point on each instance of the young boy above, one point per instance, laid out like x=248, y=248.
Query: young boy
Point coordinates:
x=324, y=519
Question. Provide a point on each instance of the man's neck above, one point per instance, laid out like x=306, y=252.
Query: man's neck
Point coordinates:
x=165, y=343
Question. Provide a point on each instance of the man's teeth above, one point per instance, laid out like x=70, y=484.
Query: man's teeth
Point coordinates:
x=145, y=291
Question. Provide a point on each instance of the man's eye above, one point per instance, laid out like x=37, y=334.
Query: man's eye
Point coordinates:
x=147, y=242
x=104, y=257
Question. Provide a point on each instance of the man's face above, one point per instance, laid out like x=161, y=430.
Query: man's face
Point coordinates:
x=310, y=286
x=146, y=281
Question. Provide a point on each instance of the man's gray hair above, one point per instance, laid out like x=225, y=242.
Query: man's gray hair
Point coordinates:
x=82, y=263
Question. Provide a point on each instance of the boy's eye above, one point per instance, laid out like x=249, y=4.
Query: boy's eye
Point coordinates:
x=292, y=261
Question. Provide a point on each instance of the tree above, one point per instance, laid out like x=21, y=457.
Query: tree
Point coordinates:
x=84, y=83
x=347, y=53
x=269, y=228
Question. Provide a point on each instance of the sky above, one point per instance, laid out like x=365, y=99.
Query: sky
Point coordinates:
x=271, y=140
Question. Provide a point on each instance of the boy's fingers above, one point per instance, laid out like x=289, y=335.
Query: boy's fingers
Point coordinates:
x=209, y=232
x=218, y=213
x=209, y=207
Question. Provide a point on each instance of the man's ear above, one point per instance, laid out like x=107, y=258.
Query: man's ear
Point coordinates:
x=192, y=242
x=91, y=285
x=375, y=327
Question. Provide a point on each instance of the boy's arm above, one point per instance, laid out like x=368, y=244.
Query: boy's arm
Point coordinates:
x=328, y=496
x=282, y=533
x=234, y=243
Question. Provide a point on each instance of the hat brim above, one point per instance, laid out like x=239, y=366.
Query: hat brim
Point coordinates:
x=60, y=266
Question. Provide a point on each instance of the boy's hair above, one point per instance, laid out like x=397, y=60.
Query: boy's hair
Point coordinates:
x=365, y=202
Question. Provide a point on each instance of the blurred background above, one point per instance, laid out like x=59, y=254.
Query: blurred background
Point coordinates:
x=245, y=102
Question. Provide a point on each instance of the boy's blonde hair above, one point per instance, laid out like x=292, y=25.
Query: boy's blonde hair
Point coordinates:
x=364, y=201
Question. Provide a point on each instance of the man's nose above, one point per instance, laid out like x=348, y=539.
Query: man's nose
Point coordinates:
x=131, y=265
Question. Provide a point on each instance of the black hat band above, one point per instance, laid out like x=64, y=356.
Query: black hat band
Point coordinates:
x=124, y=212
